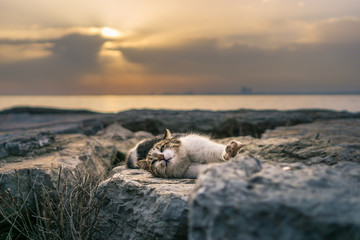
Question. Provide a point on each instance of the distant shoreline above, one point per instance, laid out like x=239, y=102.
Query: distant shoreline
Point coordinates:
x=41, y=110
x=119, y=103
x=189, y=94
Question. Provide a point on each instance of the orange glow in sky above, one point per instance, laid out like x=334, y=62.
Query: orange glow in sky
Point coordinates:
x=109, y=32
x=141, y=46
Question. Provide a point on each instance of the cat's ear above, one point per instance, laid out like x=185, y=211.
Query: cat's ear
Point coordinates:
x=167, y=134
x=143, y=164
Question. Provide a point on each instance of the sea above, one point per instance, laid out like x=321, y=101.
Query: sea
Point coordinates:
x=118, y=103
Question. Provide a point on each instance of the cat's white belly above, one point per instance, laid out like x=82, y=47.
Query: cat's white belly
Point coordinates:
x=202, y=150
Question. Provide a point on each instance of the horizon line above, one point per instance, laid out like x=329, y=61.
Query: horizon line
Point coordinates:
x=191, y=94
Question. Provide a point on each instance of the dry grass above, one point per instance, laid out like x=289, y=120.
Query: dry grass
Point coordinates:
x=67, y=208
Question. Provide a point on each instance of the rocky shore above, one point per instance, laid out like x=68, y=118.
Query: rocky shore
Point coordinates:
x=296, y=178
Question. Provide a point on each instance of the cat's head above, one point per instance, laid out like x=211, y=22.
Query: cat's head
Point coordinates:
x=163, y=158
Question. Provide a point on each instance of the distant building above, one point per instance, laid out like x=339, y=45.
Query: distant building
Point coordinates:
x=246, y=90
x=189, y=93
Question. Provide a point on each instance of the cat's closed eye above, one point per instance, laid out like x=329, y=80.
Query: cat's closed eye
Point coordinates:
x=162, y=148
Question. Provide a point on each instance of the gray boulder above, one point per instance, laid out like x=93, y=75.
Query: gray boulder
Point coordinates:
x=23, y=176
x=219, y=124
x=72, y=151
x=91, y=126
x=25, y=142
x=67, y=122
x=305, y=150
x=139, y=206
x=222, y=124
x=236, y=200
x=116, y=132
x=339, y=132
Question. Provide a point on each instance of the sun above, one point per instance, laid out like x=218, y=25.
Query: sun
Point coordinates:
x=109, y=32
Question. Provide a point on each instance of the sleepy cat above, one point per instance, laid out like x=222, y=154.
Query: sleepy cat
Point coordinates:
x=179, y=156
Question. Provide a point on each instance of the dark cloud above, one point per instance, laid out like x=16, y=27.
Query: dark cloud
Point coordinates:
x=77, y=53
x=329, y=67
x=22, y=41
x=71, y=56
x=344, y=30
x=329, y=64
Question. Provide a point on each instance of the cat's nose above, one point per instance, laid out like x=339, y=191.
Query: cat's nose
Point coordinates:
x=161, y=157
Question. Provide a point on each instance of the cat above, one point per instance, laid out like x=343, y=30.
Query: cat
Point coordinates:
x=181, y=155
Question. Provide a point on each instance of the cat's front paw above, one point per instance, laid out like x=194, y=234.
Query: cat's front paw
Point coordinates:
x=232, y=149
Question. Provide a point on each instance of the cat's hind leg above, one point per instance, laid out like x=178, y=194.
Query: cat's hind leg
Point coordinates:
x=232, y=149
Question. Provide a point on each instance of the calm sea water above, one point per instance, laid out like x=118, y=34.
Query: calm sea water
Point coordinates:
x=114, y=103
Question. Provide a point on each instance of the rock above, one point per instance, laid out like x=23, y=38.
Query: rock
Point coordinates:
x=282, y=201
x=23, y=143
x=340, y=132
x=306, y=186
x=68, y=151
x=13, y=181
x=219, y=124
x=143, y=135
x=45, y=122
x=67, y=128
x=72, y=152
x=152, y=125
x=33, y=157
x=34, y=110
x=91, y=126
x=222, y=123
x=116, y=132
x=305, y=150
x=140, y=206
x=19, y=185
x=46, y=151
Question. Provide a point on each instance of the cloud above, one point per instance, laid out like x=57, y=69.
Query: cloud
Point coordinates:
x=77, y=53
x=326, y=60
x=340, y=30
x=70, y=57
x=298, y=67
x=334, y=30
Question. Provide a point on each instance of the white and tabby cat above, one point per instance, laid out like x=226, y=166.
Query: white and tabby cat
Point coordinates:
x=179, y=156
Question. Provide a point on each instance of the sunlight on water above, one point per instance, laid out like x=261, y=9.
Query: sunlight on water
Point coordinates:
x=113, y=104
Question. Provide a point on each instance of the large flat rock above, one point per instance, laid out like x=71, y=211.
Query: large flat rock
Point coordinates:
x=17, y=173
x=287, y=150
x=20, y=143
x=281, y=202
x=25, y=177
x=339, y=132
x=30, y=161
x=140, y=206
x=65, y=150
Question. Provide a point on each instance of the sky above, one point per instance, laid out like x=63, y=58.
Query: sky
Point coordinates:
x=171, y=46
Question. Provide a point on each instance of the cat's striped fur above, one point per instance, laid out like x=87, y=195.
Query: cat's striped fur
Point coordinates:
x=180, y=156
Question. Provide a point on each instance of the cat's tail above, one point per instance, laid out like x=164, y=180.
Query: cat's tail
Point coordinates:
x=132, y=158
